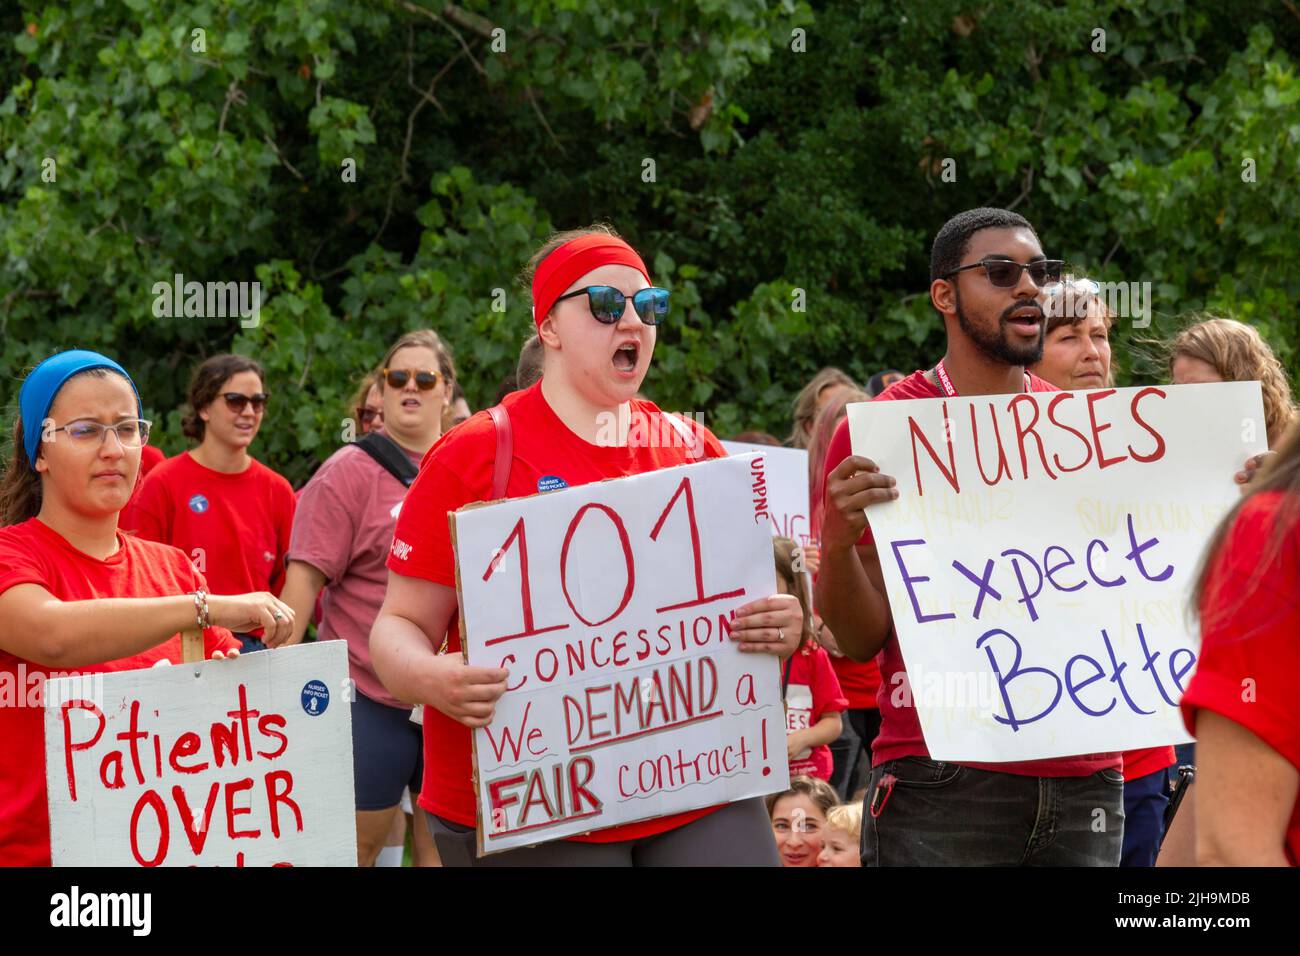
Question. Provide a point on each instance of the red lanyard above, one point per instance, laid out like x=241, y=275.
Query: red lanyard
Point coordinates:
x=946, y=382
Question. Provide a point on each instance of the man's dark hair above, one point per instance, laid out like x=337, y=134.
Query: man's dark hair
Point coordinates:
x=953, y=240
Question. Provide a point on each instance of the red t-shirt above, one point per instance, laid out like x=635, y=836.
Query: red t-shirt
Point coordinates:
x=1250, y=631
x=33, y=553
x=811, y=693
x=458, y=471
x=1140, y=763
x=859, y=680
x=150, y=457
x=241, y=522
x=900, y=728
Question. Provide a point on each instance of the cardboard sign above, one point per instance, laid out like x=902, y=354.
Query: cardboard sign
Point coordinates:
x=219, y=763
x=611, y=605
x=785, y=476
x=1039, y=558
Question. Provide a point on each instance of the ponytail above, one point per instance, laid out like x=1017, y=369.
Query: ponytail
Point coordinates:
x=20, y=487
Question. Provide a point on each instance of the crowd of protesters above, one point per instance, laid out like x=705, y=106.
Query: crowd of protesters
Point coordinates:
x=108, y=551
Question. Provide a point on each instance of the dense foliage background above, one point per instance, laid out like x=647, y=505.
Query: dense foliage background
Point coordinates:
x=795, y=146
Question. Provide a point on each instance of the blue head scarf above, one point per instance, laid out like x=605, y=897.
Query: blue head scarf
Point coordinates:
x=39, y=388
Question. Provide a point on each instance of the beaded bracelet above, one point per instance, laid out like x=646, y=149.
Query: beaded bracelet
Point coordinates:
x=201, y=609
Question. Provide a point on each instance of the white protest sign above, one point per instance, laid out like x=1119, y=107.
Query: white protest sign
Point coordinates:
x=226, y=763
x=1039, y=558
x=611, y=604
x=785, y=487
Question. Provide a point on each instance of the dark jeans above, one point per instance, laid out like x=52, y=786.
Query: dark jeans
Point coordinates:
x=248, y=643
x=1145, y=802
x=947, y=814
x=738, y=834
x=851, y=752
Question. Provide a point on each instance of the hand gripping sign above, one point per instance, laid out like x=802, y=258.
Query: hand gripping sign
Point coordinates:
x=227, y=763
x=611, y=606
x=1039, y=557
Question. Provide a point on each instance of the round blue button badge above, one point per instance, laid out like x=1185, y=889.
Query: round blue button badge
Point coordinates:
x=315, y=698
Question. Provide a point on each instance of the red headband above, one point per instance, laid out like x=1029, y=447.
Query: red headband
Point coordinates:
x=572, y=261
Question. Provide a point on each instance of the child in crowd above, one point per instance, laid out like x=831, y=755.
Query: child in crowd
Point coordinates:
x=813, y=699
x=799, y=819
x=842, y=836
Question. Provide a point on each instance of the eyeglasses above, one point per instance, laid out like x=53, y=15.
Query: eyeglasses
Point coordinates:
x=131, y=433
x=1005, y=273
x=367, y=415
x=1080, y=286
x=607, y=303
x=236, y=401
x=398, y=377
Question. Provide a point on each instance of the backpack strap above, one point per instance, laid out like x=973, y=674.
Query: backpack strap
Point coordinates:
x=684, y=431
x=505, y=450
x=390, y=455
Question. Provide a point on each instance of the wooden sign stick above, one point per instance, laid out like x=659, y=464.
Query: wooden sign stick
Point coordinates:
x=191, y=646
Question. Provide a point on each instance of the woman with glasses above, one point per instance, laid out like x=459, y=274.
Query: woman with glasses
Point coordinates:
x=230, y=513
x=597, y=314
x=1076, y=346
x=77, y=595
x=341, y=534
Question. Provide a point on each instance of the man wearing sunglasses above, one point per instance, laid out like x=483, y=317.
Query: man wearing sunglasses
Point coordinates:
x=987, y=273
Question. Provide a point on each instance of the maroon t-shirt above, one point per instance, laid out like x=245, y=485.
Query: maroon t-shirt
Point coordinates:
x=900, y=728
x=342, y=527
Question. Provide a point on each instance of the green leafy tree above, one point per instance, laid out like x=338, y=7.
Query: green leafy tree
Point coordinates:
x=382, y=165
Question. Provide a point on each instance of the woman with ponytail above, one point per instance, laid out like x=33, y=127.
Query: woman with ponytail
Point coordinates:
x=76, y=594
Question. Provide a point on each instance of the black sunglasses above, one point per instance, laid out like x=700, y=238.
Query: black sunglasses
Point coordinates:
x=607, y=303
x=236, y=401
x=1005, y=273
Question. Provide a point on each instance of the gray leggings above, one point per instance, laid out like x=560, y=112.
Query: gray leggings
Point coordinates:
x=739, y=834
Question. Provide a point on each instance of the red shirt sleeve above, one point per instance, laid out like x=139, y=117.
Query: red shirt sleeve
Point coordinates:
x=839, y=449
x=827, y=696
x=1249, y=668
x=422, y=545
x=19, y=565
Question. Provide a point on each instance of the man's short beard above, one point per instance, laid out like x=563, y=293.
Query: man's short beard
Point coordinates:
x=996, y=344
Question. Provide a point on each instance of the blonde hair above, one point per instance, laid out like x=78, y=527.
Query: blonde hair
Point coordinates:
x=783, y=550
x=805, y=403
x=846, y=817
x=1239, y=354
